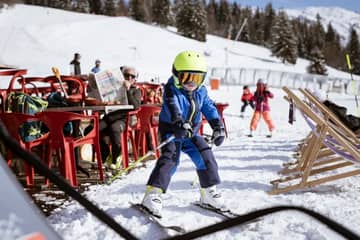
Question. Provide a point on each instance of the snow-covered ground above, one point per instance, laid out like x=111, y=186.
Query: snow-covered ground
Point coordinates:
x=50, y=37
x=247, y=165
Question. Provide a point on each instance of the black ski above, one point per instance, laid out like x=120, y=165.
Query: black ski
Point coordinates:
x=224, y=213
x=156, y=219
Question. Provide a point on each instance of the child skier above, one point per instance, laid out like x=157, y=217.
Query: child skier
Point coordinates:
x=262, y=108
x=185, y=99
x=246, y=99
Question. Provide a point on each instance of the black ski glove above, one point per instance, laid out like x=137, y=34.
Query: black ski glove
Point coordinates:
x=218, y=135
x=182, y=129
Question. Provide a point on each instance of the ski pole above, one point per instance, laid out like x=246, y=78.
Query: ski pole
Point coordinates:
x=134, y=164
x=353, y=83
x=57, y=75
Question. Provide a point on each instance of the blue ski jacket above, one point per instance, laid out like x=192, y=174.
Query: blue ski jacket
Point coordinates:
x=177, y=106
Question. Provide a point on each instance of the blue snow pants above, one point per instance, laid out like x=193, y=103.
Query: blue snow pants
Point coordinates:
x=199, y=152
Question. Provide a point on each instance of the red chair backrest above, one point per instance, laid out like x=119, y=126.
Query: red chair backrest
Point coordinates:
x=221, y=107
x=55, y=121
x=146, y=88
x=39, y=86
x=75, y=87
x=13, y=122
x=149, y=116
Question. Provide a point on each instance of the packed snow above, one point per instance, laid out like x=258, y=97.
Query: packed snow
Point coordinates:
x=246, y=165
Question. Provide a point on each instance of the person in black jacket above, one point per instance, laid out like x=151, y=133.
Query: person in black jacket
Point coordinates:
x=348, y=120
x=75, y=65
x=113, y=123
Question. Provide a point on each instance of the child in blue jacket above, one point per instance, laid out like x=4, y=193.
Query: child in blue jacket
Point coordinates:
x=185, y=99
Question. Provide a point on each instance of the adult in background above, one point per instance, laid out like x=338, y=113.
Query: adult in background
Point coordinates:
x=96, y=68
x=75, y=65
x=185, y=100
x=262, y=107
x=113, y=123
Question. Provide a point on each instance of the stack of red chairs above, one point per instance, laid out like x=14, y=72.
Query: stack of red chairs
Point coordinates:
x=65, y=145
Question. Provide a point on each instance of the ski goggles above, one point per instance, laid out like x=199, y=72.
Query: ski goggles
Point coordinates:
x=191, y=77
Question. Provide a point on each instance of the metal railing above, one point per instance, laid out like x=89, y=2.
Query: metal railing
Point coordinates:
x=249, y=76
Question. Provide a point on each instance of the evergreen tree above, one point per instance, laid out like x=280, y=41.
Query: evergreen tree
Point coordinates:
x=122, y=9
x=319, y=33
x=269, y=18
x=137, y=10
x=161, y=12
x=3, y=3
x=245, y=34
x=353, y=49
x=80, y=6
x=332, y=48
x=284, y=44
x=317, y=64
x=95, y=6
x=224, y=17
x=109, y=8
x=256, y=31
x=147, y=6
x=236, y=20
x=300, y=29
x=61, y=4
x=211, y=13
x=191, y=19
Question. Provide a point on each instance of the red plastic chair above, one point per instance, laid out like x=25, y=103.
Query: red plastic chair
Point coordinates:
x=129, y=134
x=65, y=145
x=75, y=87
x=13, y=122
x=149, y=121
x=15, y=74
x=145, y=88
x=220, y=108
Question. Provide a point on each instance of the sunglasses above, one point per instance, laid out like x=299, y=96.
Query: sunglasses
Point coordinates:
x=191, y=77
x=129, y=76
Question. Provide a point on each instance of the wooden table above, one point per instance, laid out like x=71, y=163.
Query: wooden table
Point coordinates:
x=96, y=108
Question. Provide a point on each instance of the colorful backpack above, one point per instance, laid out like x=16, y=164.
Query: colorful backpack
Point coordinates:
x=23, y=103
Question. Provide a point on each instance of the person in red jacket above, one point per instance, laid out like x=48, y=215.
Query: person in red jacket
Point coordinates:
x=246, y=100
x=262, y=108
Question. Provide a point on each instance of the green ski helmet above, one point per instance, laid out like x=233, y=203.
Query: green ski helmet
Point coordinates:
x=188, y=61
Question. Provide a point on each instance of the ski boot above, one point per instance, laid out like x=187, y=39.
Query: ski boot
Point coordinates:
x=152, y=201
x=210, y=198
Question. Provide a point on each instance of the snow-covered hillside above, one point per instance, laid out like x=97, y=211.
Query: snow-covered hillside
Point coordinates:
x=340, y=18
x=50, y=37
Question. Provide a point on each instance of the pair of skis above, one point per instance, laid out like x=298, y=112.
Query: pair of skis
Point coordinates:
x=228, y=214
x=268, y=136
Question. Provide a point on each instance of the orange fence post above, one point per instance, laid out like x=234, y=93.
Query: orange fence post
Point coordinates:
x=214, y=83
